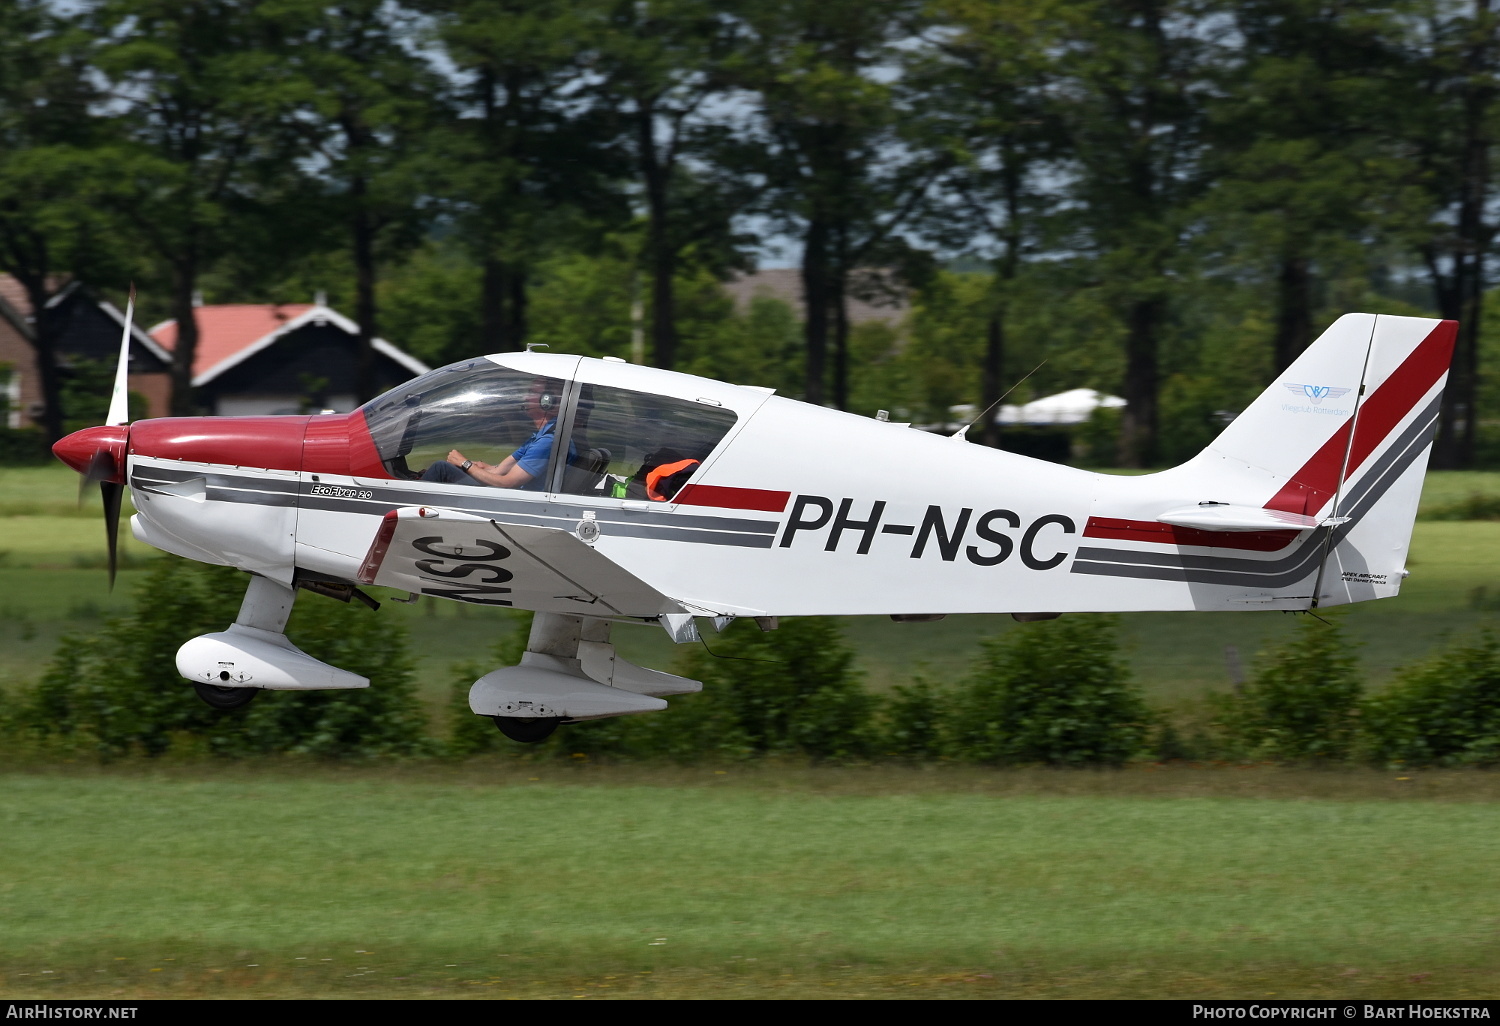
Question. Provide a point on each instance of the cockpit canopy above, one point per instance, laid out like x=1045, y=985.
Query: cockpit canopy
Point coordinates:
x=618, y=442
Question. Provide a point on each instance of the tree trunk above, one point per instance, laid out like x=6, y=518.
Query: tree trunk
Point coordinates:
x=989, y=380
x=1463, y=297
x=364, y=297
x=515, y=320
x=44, y=345
x=661, y=257
x=184, y=285
x=1138, y=425
x=1293, y=311
x=815, y=300
x=839, y=307
x=502, y=302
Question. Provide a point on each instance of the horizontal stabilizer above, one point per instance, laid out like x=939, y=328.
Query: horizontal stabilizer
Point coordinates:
x=1223, y=516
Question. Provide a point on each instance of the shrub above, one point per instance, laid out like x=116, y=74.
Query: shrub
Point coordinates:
x=914, y=718
x=1476, y=506
x=1445, y=711
x=469, y=734
x=790, y=690
x=794, y=690
x=1301, y=704
x=1055, y=693
x=118, y=690
x=24, y=447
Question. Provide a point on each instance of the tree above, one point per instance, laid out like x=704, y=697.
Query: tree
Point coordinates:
x=357, y=97
x=664, y=63
x=1132, y=90
x=827, y=79
x=50, y=171
x=528, y=153
x=1452, y=135
x=196, y=89
x=990, y=112
x=1303, y=174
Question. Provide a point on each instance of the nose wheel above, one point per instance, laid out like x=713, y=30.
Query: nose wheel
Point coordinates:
x=225, y=699
x=526, y=731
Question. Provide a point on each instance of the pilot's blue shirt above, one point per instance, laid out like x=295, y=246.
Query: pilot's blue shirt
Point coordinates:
x=535, y=453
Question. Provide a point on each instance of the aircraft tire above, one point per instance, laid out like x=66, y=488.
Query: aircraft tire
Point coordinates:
x=226, y=699
x=526, y=731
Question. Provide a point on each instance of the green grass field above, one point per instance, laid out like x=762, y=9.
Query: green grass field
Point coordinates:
x=493, y=880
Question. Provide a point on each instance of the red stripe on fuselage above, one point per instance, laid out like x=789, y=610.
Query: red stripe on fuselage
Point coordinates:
x=1311, y=487
x=733, y=498
x=1169, y=534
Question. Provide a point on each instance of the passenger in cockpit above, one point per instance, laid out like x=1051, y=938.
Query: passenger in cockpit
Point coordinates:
x=527, y=466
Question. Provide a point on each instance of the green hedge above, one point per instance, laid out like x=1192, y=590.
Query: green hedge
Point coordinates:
x=1302, y=703
x=1054, y=693
x=1444, y=712
x=117, y=691
x=23, y=447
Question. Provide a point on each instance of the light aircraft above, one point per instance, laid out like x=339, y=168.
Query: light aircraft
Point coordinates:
x=642, y=495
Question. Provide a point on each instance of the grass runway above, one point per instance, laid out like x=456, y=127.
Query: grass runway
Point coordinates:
x=494, y=879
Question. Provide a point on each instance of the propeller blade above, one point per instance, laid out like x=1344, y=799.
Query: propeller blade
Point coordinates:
x=101, y=466
x=119, y=399
x=112, y=493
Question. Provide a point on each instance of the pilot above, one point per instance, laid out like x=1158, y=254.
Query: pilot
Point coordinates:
x=524, y=468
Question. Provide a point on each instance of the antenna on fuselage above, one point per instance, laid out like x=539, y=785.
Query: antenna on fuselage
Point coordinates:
x=961, y=432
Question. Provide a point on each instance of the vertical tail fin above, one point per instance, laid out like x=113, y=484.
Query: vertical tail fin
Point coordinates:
x=1344, y=436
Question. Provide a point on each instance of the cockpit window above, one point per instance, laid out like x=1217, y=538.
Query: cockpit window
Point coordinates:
x=635, y=445
x=483, y=410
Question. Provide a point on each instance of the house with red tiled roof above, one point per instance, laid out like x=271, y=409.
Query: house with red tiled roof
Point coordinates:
x=87, y=329
x=262, y=358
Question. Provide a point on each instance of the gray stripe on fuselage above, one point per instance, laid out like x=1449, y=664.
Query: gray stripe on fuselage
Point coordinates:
x=607, y=525
x=685, y=527
x=483, y=502
x=219, y=487
x=1283, y=570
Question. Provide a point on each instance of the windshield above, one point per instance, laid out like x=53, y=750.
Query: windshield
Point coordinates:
x=475, y=406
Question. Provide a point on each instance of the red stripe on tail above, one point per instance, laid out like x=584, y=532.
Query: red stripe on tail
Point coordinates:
x=1312, y=487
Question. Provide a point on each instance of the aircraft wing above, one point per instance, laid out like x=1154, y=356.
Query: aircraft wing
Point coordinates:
x=441, y=552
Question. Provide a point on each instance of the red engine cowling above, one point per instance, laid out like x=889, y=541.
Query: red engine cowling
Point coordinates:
x=326, y=444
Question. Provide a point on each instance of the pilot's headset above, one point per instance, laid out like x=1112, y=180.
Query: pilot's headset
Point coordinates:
x=547, y=399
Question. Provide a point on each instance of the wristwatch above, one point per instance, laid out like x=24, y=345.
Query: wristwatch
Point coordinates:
x=466, y=464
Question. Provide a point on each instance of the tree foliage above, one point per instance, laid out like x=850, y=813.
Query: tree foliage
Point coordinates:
x=1055, y=693
x=1165, y=199
x=117, y=691
x=1444, y=711
x=1303, y=702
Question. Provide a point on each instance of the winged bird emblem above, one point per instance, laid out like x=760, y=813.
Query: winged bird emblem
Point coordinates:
x=1317, y=393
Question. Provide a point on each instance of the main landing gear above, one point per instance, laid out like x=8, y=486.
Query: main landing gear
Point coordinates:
x=226, y=699
x=526, y=731
x=228, y=668
x=569, y=672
